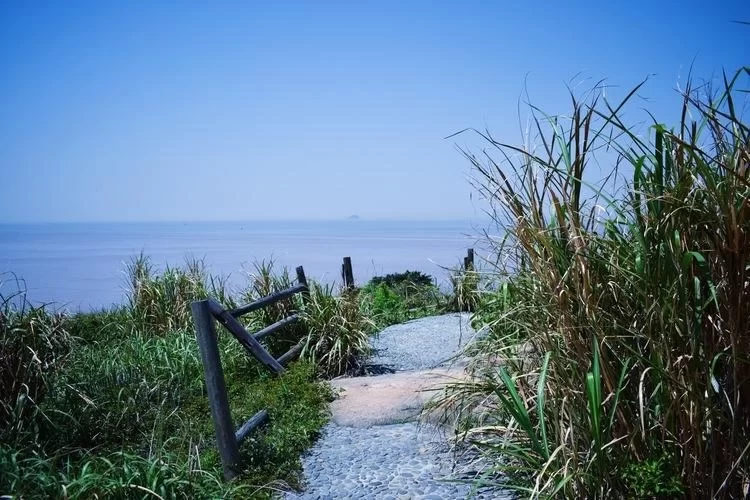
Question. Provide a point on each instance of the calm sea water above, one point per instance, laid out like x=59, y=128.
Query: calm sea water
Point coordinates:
x=80, y=266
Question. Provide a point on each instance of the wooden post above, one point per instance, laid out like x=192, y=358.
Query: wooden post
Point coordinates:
x=302, y=280
x=205, y=332
x=347, y=275
x=469, y=260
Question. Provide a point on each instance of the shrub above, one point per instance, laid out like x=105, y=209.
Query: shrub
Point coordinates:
x=105, y=325
x=400, y=297
x=412, y=278
x=385, y=305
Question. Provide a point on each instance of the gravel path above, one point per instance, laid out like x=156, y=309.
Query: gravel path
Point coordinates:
x=401, y=459
x=422, y=343
x=395, y=461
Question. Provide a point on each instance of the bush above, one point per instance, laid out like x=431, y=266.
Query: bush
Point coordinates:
x=626, y=333
x=400, y=297
x=105, y=325
x=411, y=278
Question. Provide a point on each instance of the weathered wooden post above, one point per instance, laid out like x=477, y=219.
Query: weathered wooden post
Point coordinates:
x=302, y=280
x=469, y=260
x=347, y=275
x=216, y=389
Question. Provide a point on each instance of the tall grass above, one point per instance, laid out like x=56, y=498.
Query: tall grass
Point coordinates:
x=265, y=279
x=465, y=285
x=618, y=363
x=33, y=346
x=339, y=333
x=112, y=403
x=160, y=302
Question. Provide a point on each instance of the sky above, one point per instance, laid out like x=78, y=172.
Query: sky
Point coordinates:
x=145, y=111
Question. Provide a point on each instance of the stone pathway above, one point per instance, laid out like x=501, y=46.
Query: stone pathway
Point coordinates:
x=374, y=446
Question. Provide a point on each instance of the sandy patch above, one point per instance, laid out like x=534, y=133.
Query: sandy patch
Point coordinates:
x=386, y=399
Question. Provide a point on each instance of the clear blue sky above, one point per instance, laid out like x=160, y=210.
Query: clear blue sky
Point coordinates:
x=237, y=110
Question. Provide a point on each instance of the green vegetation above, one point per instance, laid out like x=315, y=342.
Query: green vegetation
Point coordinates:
x=339, y=332
x=399, y=297
x=465, y=284
x=112, y=403
x=617, y=363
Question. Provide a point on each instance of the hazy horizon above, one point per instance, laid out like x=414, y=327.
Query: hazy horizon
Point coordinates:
x=469, y=219
x=236, y=111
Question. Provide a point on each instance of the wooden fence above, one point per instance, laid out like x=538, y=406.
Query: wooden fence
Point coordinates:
x=205, y=312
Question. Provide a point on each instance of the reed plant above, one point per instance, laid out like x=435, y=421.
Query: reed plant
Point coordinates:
x=160, y=302
x=465, y=285
x=263, y=280
x=618, y=359
x=34, y=344
x=339, y=333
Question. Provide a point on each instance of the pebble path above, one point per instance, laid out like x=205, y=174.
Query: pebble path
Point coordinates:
x=401, y=460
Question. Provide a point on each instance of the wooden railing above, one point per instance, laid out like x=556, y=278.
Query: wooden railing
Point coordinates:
x=204, y=313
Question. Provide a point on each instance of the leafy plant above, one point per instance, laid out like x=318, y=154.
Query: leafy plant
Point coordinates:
x=653, y=478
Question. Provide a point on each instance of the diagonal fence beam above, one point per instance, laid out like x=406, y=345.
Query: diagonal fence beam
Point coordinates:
x=248, y=341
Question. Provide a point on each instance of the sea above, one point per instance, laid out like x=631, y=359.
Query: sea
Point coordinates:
x=80, y=266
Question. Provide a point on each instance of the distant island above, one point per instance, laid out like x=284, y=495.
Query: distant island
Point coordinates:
x=353, y=217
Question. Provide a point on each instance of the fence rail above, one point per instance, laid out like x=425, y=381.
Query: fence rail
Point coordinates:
x=205, y=313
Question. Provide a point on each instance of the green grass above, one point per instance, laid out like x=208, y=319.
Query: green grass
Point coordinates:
x=339, y=332
x=617, y=359
x=112, y=403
